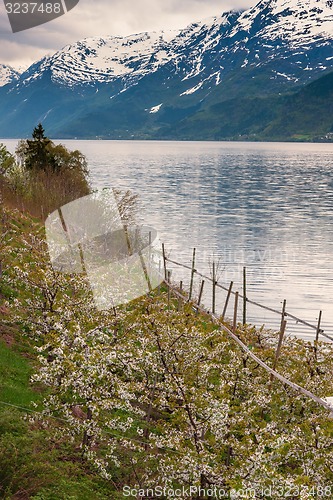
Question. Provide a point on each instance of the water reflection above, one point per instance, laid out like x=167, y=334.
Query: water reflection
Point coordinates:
x=266, y=206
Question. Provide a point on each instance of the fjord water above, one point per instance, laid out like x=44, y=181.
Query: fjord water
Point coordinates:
x=266, y=206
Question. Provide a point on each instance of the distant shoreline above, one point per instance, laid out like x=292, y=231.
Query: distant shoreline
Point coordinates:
x=155, y=140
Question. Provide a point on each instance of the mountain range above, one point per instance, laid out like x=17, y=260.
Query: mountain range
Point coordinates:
x=8, y=75
x=261, y=74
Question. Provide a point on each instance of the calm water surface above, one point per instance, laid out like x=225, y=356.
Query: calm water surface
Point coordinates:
x=266, y=206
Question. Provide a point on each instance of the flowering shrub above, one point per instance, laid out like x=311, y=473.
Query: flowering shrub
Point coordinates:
x=157, y=396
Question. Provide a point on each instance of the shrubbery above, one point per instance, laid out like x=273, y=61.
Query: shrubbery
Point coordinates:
x=150, y=395
x=44, y=176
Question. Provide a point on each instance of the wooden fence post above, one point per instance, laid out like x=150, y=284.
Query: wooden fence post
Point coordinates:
x=244, y=295
x=192, y=275
x=214, y=289
x=227, y=300
x=235, y=313
x=283, y=313
x=317, y=333
x=200, y=294
x=278, y=349
x=149, y=253
x=169, y=289
x=164, y=261
x=179, y=298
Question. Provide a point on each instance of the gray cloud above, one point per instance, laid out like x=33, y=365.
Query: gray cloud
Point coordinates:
x=104, y=17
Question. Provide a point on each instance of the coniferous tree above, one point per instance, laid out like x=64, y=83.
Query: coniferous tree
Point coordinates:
x=37, y=153
x=45, y=175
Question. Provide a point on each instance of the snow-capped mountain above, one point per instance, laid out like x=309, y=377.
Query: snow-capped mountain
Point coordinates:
x=129, y=86
x=253, y=37
x=7, y=75
x=298, y=21
x=101, y=60
x=104, y=60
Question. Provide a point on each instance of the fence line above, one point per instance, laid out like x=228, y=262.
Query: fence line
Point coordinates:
x=271, y=371
x=242, y=296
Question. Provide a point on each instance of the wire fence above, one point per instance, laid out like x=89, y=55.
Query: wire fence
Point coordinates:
x=243, y=300
x=232, y=330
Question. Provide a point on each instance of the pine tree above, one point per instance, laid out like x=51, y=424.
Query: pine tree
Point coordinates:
x=37, y=153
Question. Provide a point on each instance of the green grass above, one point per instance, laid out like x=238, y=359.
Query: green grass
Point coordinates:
x=38, y=461
x=33, y=464
x=15, y=372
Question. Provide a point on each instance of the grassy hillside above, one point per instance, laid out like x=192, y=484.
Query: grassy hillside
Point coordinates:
x=34, y=463
x=143, y=395
x=305, y=115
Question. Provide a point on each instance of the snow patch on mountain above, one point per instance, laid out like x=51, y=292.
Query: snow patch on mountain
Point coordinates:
x=192, y=90
x=155, y=109
x=7, y=74
x=100, y=60
x=295, y=21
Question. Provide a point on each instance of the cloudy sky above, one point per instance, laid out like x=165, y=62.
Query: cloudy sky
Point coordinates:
x=104, y=17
